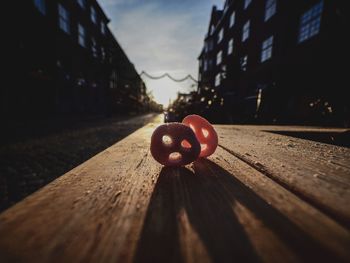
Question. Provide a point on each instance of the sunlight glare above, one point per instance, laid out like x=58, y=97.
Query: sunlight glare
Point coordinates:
x=165, y=90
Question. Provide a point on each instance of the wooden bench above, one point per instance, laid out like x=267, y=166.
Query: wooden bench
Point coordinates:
x=262, y=196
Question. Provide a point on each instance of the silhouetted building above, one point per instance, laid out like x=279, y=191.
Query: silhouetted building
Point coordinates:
x=68, y=61
x=275, y=61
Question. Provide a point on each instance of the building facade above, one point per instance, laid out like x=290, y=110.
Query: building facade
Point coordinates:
x=275, y=61
x=68, y=61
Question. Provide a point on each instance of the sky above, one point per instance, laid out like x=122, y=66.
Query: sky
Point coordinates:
x=161, y=36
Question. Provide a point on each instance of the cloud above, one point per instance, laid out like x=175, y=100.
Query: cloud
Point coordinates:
x=160, y=36
x=157, y=41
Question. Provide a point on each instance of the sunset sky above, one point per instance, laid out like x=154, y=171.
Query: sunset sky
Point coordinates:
x=161, y=36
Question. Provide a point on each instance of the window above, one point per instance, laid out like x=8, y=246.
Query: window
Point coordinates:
x=223, y=71
x=94, y=47
x=219, y=58
x=93, y=15
x=270, y=9
x=221, y=35
x=205, y=65
x=210, y=44
x=40, y=5
x=246, y=31
x=226, y=6
x=212, y=29
x=103, y=53
x=82, y=3
x=247, y=3
x=266, y=49
x=230, y=47
x=113, y=80
x=310, y=22
x=63, y=19
x=217, y=80
x=210, y=63
x=244, y=62
x=103, y=28
x=232, y=19
x=81, y=35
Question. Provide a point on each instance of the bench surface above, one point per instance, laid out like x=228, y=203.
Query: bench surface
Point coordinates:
x=263, y=196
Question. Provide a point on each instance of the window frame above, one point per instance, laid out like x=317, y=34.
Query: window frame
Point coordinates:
x=64, y=19
x=246, y=31
x=212, y=29
x=82, y=3
x=40, y=5
x=220, y=35
x=219, y=57
x=93, y=15
x=103, y=53
x=230, y=46
x=94, y=47
x=267, y=49
x=244, y=63
x=217, y=80
x=232, y=19
x=310, y=22
x=103, y=28
x=270, y=9
x=247, y=3
x=205, y=65
x=81, y=35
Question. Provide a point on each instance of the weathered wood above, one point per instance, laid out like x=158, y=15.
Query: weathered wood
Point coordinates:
x=317, y=172
x=308, y=222
x=232, y=212
x=93, y=213
x=121, y=206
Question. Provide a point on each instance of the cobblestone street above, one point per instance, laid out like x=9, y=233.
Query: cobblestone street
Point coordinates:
x=28, y=165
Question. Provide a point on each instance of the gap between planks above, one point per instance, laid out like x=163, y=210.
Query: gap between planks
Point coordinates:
x=296, y=164
x=122, y=206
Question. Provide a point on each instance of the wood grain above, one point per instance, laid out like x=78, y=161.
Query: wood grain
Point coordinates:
x=93, y=213
x=317, y=172
x=121, y=206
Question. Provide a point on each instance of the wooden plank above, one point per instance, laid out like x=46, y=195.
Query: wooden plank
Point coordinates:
x=227, y=211
x=93, y=213
x=310, y=225
x=317, y=172
x=121, y=206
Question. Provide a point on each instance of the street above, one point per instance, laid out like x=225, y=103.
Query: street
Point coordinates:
x=28, y=165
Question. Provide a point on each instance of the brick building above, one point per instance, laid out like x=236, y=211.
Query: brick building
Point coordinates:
x=68, y=61
x=275, y=61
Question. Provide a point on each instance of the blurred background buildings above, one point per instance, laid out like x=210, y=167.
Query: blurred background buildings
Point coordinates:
x=67, y=61
x=274, y=61
x=269, y=61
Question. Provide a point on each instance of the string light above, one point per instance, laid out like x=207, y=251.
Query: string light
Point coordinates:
x=165, y=75
x=189, y=76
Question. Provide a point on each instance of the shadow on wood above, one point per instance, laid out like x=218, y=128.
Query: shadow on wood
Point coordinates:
x=333, y=138
x=208, y=196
